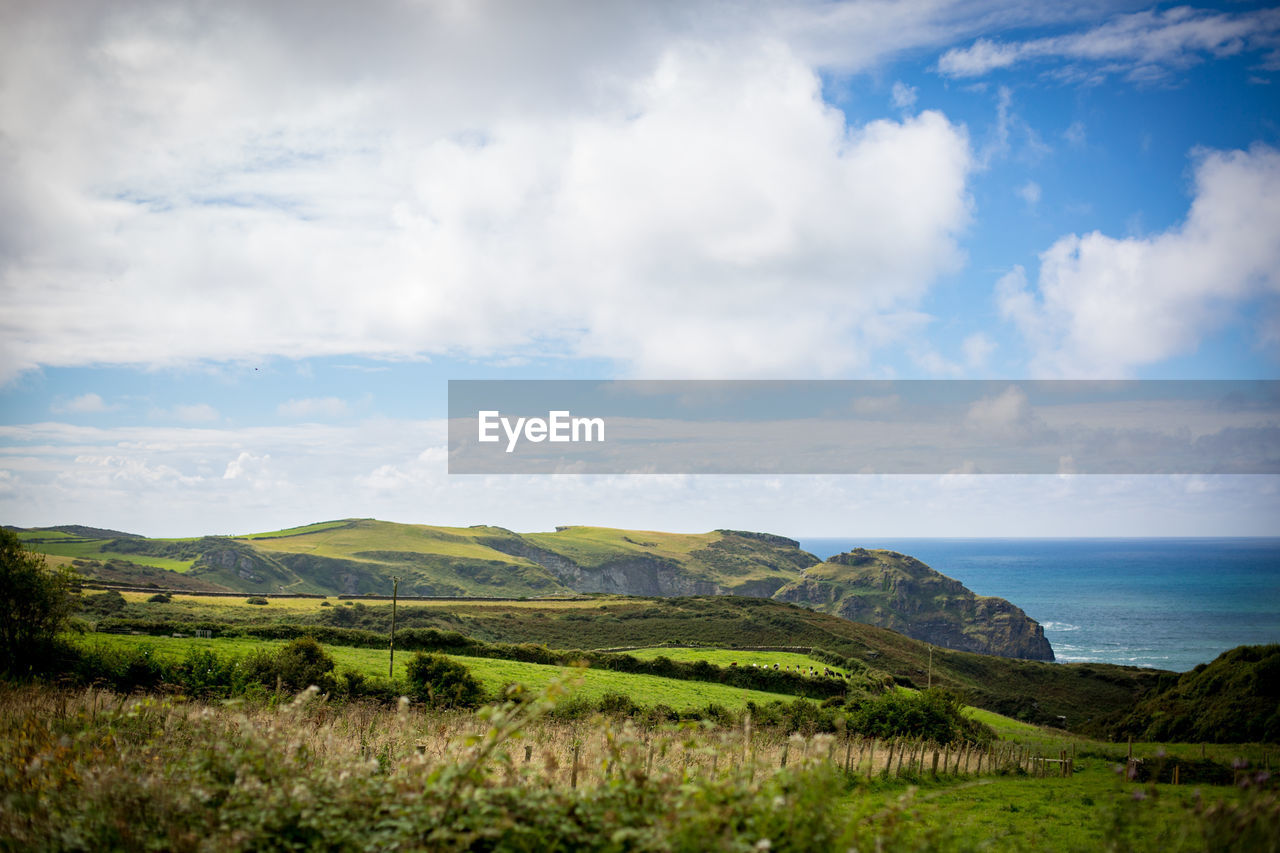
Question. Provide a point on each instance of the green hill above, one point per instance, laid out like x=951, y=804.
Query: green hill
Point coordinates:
x=1233, y=699
x=361, y=556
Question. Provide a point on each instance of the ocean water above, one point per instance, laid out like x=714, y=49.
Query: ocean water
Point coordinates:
x=1163, y=603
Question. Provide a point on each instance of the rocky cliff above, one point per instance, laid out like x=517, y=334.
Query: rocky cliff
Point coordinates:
x=901, y=593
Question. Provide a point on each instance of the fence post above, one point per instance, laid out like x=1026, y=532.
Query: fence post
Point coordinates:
x=935, y=762
x=871, y=757
x=573, y=776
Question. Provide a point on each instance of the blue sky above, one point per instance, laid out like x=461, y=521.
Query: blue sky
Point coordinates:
x=245, y=248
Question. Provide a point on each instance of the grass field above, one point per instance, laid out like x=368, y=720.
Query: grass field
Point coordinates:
x=724, y=657
x=494, y=675
x=350, y=539
x=296, y=531
x=67, y=547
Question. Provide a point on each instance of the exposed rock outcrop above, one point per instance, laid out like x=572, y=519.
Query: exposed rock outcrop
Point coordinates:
x=901, y=593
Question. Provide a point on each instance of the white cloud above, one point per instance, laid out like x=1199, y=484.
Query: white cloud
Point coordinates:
x=378, y=184
x=1030, y=193
x=195, y=413
x=904, y=96
x=83, y=404
x=171, y=481
x=1076, y=134
x=1103, y=307
x=977, y=349
x=1008, y=416
x=1144, y=45
x=313, y=407
x=245, y=465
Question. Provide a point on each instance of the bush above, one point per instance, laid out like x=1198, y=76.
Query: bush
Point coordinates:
x=257, y=599
x=295, y=666
x=443, y=683
x=159, y=598
x=35, y=602
x=106, y=603
x=931, y=714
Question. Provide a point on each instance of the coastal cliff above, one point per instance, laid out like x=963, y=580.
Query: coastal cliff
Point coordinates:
x=901, y=593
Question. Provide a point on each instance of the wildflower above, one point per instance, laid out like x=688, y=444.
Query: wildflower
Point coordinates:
x=764, y=844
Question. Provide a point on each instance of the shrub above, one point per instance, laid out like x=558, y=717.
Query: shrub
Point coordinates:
x=443, y=683
x=932, y=714
x=295, y=666
x=159, y=598
x=104, y=603
x=257, y=599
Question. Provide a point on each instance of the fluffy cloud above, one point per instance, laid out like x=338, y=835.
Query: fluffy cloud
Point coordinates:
x=1103, y=306
x=313, y=407
x=85, y=403
x=1142, y=45
x=195, y=413
x=168, y=481
x=661, y=189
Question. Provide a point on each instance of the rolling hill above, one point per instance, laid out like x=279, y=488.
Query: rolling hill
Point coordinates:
x=361, y=556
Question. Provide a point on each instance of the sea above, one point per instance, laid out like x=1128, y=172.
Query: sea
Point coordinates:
x=1163, y=603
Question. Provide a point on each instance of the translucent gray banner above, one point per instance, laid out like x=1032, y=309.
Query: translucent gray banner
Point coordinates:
x=864, y=427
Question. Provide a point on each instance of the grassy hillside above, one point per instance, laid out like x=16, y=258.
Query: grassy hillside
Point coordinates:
x=1235, y=698
x=363, y=556
x=494, y=675
x=1071, y=695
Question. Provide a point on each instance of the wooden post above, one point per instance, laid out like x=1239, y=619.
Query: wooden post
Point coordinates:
x=935, y=762
x=888, y=767
x=786, y=745
x=871, y=757
x=573, y=775
x=901, y=753
x=395, y=589
x=848, y=752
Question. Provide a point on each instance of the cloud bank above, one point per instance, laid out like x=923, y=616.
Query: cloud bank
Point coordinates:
x=1103, y=307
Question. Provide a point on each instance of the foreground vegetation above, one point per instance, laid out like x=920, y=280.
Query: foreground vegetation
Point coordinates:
x=93, y=770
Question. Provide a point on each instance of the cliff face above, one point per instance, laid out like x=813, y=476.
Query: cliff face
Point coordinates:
x=901, y=593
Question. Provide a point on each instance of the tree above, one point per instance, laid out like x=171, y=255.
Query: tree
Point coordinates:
x=443, y=683
x=35, y=602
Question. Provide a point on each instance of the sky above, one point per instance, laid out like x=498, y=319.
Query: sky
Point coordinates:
x=245, y=246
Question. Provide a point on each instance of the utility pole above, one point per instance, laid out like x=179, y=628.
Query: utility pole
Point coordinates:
x=395, y=591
